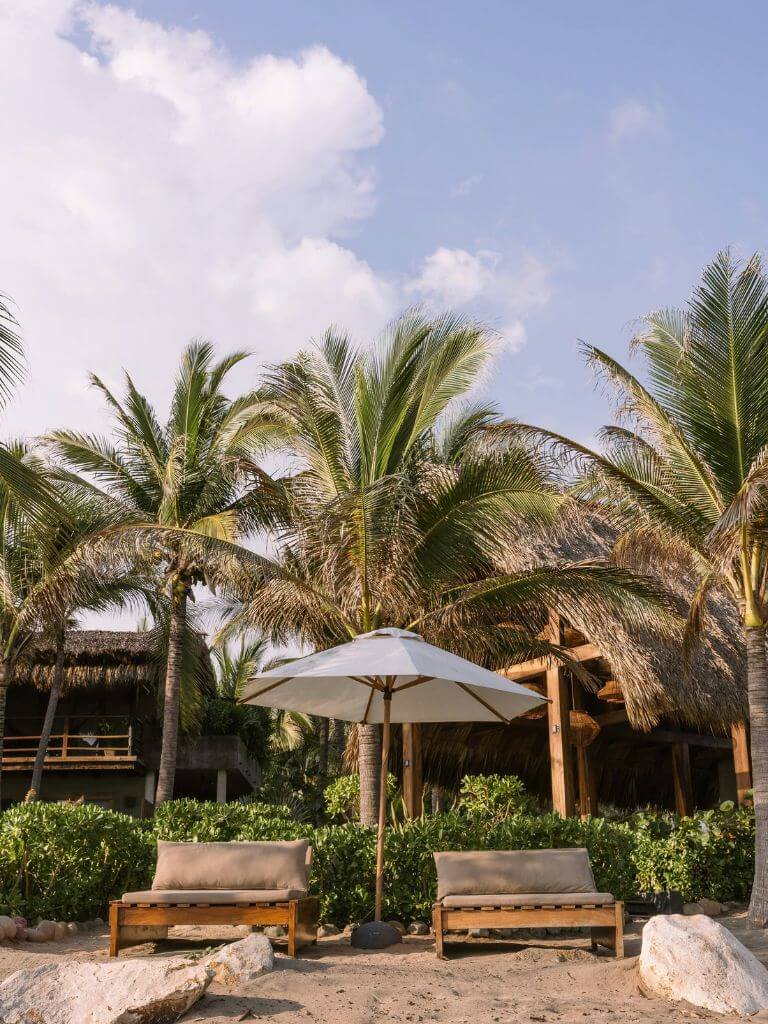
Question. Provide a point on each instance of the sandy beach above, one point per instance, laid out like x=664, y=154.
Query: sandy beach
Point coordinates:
x=558, y=979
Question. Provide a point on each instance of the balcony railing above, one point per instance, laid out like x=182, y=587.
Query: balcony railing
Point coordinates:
x=82, y=741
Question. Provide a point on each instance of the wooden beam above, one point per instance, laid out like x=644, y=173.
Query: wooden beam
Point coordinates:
x=538, y=666
x=741, y=761
x=413, y=780
x=560, y=758
x=681, y=771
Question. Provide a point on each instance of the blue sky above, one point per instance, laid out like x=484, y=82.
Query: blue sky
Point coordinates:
x=252, y=171
x=619, y=144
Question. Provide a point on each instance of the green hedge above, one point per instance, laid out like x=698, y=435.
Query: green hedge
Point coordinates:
x=65, y=861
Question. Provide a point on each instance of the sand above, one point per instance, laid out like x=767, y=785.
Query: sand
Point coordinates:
x=557, y=979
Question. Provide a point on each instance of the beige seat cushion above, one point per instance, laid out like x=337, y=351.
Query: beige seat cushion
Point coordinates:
x=216, y=896
x=513, y=871
x=529, y=899
x=246, y=866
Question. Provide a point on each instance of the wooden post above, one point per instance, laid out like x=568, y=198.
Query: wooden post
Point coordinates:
x=65, y=738
x=557, y=720
x=586, y=789
x=413, y=784
x=382, y=803
x=741, y=762
x=681, y=770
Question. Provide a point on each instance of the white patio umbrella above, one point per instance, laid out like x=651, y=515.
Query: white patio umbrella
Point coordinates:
x=390, y=675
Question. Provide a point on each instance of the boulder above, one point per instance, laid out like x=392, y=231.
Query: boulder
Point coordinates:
x=131, y=992
x=479, y=933
x=47, y=929
x=275, y=931
x=61, y=931
x=7, y=927
x=710, y=907
x=72, y=928
x=698, y=960
x=243, y=961
x=418, y=928
x=397, y=925
x=326, y=930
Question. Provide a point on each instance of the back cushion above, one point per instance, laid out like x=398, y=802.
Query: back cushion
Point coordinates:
x=232, y=865
x=511, y=871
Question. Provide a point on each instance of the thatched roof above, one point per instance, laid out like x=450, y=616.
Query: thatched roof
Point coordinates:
x=97, y=657
x=708, y=693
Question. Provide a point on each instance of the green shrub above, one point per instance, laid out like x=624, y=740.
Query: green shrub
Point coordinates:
x=68, y=861
x=65, y=861
x=494, y=796
x=708, y=855
x=200, y=821
x=342, y=797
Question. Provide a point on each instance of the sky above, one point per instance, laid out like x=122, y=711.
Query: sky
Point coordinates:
x=253, y=171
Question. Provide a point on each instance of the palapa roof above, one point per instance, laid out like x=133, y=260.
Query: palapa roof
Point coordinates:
x=706, y=692
x=99, y=657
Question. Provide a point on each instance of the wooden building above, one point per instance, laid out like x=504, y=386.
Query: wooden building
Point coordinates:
x=105, y=743
x=647, y=726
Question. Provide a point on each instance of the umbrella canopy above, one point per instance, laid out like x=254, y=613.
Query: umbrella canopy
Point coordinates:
x=390, y=675
x=353, y=682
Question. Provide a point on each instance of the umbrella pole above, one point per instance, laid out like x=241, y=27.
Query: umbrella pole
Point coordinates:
x=382, y=804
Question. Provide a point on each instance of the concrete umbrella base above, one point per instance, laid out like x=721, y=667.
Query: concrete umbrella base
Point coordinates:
x=375, y=935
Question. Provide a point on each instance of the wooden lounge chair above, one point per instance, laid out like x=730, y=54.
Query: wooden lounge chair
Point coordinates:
x=220, y=883
x=524, y=889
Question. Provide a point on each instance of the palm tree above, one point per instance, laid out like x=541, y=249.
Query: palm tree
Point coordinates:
x=684, y=476
x=64, y=579
x=180, y=487
x=398, y=513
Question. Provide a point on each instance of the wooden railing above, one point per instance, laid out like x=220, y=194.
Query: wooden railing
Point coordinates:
x=75, y=740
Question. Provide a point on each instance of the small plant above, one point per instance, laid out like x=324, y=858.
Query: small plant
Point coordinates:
x=342, y=797
x=494, y=797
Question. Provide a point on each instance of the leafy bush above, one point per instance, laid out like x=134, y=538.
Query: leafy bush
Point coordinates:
x=708, y=855
x=342, y=797
x=201, y=821
x=494, y=796
x=66, y=861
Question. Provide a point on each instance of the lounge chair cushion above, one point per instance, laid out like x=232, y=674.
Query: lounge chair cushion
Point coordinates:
x=247, y=866
x=216, y=896
x=529, y=899
x=513, y=871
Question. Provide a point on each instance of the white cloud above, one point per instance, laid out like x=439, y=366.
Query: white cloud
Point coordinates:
x=483, y=280
x=633, y=119
x=153, y=190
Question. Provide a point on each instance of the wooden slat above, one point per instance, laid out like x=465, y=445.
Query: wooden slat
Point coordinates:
x=536, y=917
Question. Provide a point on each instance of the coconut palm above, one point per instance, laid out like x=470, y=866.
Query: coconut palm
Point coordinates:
x=180, y=487
x=69, y=573
x=684, y=475
x=398, y=511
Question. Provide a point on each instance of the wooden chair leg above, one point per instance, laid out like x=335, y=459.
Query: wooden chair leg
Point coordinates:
x=114, y=929
x=437, y=923
x=293, y=921
x=619, y=941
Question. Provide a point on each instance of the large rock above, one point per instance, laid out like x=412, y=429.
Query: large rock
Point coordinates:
x=696, y=959
x=242, y=961
x=128, y=992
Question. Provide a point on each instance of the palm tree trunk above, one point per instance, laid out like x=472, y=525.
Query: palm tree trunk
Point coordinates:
x=757, y=684
x=5, y=678
x=369, y=766
x=167, y=771
x=50, y=713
